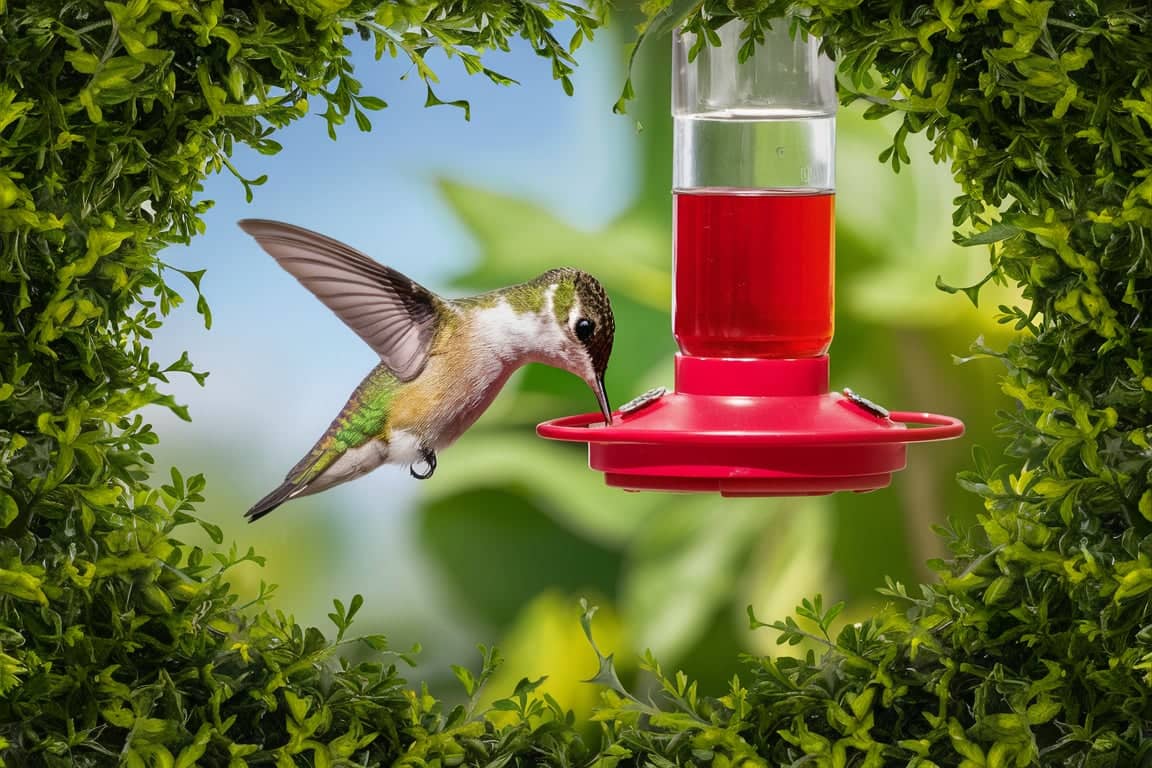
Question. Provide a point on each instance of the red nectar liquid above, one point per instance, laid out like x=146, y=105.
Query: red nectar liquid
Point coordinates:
x=753, y=272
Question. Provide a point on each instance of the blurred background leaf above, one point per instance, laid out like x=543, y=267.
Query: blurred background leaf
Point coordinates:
x=502, y=559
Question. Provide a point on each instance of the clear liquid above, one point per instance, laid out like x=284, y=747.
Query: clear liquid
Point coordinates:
x=744, y=150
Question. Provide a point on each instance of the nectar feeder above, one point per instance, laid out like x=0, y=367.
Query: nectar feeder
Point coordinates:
x=751, y=413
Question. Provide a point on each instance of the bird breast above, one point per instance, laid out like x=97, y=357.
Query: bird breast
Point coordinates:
x=470, y=363
x=449, y=395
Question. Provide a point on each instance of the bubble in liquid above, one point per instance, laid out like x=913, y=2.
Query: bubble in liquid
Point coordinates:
x=779, y=151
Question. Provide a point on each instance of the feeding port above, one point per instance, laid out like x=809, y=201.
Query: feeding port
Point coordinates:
x=753, y=302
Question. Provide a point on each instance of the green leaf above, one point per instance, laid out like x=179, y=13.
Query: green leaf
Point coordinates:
x=214, y=532
x=375, y=642
x=994, y=234
x=971, y=291
x=1133, y=584
x=9, y=509
x=10, y=671
x=83, y=62
x=465, y=677
x=22, y=586
x=118, y=716
x=606, y=671
x=362, y=121
x=432, y=100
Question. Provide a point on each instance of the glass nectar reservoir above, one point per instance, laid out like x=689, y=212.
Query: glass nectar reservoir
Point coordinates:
x=751, y=412
x=753, y=180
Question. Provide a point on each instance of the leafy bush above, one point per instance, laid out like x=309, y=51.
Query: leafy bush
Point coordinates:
x=1035, y=647
x=117, y=641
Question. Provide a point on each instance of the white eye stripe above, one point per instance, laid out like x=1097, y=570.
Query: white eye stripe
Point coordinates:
x=575, y=313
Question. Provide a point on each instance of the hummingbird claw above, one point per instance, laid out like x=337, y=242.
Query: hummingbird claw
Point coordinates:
x=429, y=457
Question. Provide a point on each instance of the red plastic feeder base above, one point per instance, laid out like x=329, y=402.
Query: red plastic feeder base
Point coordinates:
x=750, y=427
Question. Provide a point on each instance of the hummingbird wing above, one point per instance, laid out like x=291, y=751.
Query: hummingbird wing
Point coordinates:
x=395, y=315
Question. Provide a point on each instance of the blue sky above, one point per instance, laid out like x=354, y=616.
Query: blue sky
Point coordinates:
x=281, y=364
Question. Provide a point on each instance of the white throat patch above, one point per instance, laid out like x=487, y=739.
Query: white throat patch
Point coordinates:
x=522, y=337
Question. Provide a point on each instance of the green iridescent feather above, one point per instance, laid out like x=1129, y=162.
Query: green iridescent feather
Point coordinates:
x=364, y=417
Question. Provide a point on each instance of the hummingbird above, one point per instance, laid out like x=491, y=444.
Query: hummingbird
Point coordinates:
x=442, y=361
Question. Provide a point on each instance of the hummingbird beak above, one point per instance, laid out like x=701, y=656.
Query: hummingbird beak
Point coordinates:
x=602, y=399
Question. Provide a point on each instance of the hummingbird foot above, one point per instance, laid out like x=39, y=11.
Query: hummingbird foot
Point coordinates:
x=429, y=457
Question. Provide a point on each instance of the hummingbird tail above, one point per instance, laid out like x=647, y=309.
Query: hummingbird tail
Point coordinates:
x=277, y=497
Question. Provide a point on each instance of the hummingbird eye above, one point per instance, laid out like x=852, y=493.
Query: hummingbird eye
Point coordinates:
x=584, y=328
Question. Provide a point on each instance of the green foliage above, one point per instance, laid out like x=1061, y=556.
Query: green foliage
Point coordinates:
x=1034, y=648
x=117, y=641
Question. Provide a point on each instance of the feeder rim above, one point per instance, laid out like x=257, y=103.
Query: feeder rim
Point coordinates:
x=578, y=428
